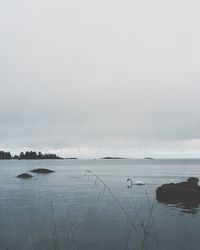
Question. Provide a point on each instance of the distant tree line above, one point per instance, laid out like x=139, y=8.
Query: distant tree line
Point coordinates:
x=28, y=155
x=5, y=155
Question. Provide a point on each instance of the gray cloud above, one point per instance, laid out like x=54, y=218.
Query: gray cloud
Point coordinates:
x=93, y=77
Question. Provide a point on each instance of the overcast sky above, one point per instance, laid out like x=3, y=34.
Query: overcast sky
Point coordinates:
x=93, y=78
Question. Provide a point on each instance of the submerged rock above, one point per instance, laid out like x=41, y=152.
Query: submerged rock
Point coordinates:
x=179, y=192
x=24, y=176
x=42, y=171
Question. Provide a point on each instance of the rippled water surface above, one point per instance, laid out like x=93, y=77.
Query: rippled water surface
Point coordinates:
x=70, y=210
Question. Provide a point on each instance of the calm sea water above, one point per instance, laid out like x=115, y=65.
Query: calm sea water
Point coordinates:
x=70, y=210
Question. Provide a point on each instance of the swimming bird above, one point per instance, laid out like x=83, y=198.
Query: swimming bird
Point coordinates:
x=135, y=183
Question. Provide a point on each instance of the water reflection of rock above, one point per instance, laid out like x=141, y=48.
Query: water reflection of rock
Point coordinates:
x=185, y=207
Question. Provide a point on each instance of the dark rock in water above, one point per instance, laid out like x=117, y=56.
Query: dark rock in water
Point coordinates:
x=24, y=176
x=42, y=171
x=179, y=192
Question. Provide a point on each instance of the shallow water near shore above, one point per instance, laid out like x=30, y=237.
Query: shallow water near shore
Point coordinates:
x=71, y=210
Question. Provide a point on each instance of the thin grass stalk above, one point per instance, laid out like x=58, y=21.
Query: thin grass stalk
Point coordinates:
x=135, y=213
x=70, y=222
x=119, y=204
x=55, y=229
x=152, y=220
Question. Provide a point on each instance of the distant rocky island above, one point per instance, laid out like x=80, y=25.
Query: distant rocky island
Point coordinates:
x=112, y=158
x=28, y=155
x=148, y=158
x=71, y=158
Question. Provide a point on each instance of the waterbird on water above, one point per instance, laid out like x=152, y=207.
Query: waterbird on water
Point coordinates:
x=135, y=183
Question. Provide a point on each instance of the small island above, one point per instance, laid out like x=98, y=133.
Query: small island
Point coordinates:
x=148, y=158
x=71, y=158
x=112, y=158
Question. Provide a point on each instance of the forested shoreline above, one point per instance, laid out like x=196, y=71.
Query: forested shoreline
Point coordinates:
x=28, y=155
